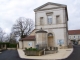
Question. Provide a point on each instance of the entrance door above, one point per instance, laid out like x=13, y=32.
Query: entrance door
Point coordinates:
x=50, y=40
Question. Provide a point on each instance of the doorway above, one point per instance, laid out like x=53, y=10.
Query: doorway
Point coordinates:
x=50, y=40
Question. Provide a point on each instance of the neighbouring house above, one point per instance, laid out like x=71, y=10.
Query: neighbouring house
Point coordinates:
x=28, y=42
x=51, y=27
x=74, y=35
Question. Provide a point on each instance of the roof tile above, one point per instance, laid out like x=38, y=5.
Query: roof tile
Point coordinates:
x=28, y=38
x=73, y=32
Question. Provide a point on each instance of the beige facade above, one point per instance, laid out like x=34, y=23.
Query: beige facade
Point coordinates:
x=33, y=33
x=53, y=19
x=41, y=40
x=27, y=44
x=59, y=30
x=74, y=37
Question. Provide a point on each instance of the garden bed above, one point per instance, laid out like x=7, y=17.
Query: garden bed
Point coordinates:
x=33, y=52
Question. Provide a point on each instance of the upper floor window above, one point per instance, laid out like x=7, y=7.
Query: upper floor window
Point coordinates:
x=41, y=20
x=49, y=19
x=58, y=19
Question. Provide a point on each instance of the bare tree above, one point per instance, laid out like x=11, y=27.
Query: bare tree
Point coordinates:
x=11, y=38
x=7, y=38
x=23, y=27
x=2, y=33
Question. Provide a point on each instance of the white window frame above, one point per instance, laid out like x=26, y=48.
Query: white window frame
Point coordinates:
x=30, y=43
x=49, y=19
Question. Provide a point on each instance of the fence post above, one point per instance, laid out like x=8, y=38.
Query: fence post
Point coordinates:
x=5, y=46
x=44, y=51
x=1, y=46
x=17, y=46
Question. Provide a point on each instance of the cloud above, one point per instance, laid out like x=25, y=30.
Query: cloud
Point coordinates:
x=10, y=10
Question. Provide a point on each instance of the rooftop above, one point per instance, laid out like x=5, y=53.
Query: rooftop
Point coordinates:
x=28, y=38
x=73, y=32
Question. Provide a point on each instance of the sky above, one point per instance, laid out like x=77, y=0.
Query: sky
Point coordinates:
x=11, y=10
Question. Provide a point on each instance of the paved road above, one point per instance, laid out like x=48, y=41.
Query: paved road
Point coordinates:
x=10, y=55
x=13, y=55
x=75, y=55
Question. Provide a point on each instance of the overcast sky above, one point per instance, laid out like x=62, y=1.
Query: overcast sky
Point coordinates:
x=10, y=10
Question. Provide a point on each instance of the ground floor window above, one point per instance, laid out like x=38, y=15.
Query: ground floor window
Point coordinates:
x=30, y=43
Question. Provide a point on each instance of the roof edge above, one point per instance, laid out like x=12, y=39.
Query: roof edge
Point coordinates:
x=49, y=3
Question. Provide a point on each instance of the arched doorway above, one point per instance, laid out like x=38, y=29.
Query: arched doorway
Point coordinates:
x=50, y=40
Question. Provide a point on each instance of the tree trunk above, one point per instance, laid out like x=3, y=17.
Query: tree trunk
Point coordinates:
x=22, y=44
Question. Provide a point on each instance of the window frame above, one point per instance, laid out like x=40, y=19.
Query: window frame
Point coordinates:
x=41, y=20
x=57, y=19
x=49, y=14
x=49, y=20
x=30, y=44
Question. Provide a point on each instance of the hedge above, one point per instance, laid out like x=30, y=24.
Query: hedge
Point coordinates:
x=9, y=45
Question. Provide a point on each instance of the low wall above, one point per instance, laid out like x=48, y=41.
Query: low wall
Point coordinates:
x=49, y=52
x=11, y=48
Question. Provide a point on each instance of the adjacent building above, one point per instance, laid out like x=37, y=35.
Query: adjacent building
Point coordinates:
x=74, y=36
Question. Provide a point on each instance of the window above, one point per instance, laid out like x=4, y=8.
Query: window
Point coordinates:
x=58, y=19
x=41, y=20
x=78, y=37
x=69, y=37
x=74, y=36
x=30, y=43
x=49, y=18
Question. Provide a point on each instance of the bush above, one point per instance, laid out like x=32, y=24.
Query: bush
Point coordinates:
x=31, y=49
x=12, y=45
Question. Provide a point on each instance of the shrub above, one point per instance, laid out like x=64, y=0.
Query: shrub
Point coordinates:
x=33, y=52
x=31, y=49
x=9, y=45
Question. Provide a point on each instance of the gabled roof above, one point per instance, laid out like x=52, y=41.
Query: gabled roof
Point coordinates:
x=74, y=32
x=33, y=32
x=28, y=38
x=50, y=3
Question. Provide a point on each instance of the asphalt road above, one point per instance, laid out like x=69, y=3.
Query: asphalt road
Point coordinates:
x=76, y=53
x=13, y=54
x=10, y=55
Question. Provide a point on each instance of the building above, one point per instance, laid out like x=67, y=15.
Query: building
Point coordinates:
x=74, y=35
x=51, y=27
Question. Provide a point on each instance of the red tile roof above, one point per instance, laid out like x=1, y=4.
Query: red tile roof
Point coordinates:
x=73, y=32
x=28, y=38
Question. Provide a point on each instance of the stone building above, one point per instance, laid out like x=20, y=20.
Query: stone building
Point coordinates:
x=74, y=36
x=51, y=27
